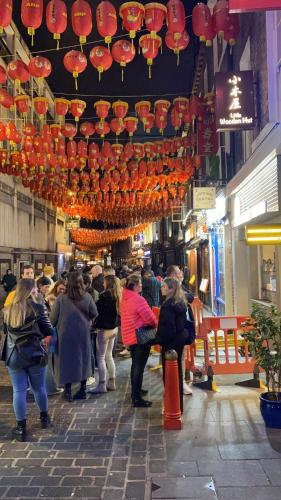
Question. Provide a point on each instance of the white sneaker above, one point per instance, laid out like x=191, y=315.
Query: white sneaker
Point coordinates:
x=186, y=389
x=91, y=381
x=125, y=353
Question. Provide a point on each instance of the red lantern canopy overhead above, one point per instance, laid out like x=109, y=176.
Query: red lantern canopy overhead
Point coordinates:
x=175, y=18
x=155, y=15
x=18, y=71
x=162, y=106
x=176, y=119
x=181, y=105
x=142, y=109
x=120, y=109
x=32, y=16
x=29, y=129
x=123, y=52
x=220, y=14
x=69, y=130
x=132, y=14
x=131, y=125
x=22, y=104
x=81, y=19
x=6, y=11
x=61, y=108
x=77, y=108
x=102, y=128
x=3, y=75
x=149, y=122
x=75, y=62
x=232, y=31
x=117, y=126
x=177, y=45
x=202, y=23
x=101, y=59
x=40, y=67
x=102, y=109
x=56, y=18
x=87, y=129
x=106, y=18
x=150, y=46
x=40, y=105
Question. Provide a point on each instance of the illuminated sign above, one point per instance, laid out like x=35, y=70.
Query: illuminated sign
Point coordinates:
x=250, y=5
x=263, y=235
x=235, y=108
x=204, y=198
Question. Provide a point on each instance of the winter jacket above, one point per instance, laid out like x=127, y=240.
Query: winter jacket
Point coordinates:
x=171, y=332
x=135, y=312
x=108, y=316
x=8, y=282
x=150, y=291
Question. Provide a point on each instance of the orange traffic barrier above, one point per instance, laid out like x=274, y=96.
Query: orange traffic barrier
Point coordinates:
x=197, y=308
x=172, y=410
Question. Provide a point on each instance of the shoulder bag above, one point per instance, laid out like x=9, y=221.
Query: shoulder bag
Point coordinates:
x=145, y=335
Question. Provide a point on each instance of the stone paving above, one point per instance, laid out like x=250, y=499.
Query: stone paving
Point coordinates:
x=102, y=448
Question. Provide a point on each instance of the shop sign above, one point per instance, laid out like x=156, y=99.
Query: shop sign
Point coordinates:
x=65, y=249
x=204, y=198
x=235, y=109
x=263, y=235
x=207, y=137
x=72, y=223
x=251, y=5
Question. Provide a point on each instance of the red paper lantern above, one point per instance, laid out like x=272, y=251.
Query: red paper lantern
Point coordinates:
x=123, y=52
x=142, y=109
x=117, y=126
x=220, y=15
x=102, y=128
x=29, y=129
x=87, y=129
x=75, y=62
x=196, y=107
x=181, y=105
x=132, y=14
x=55, y=131
x=22, y=104
x=117, y=149
x=155, y=15
x=161, y=121
x=32, y=16
x=162, y=106
x=149, y=122
x=102, y=109
x=202, y=24
x=11, y=131
x=61, y=108
x=150, y=46
x=6, y=100
x=131, y=125
x=101, y=59
x=181, y=43
x=232, y=31
x=176, y=119
x=81, y=19
x=106, y=18
x=56, y=18
x=77, y=108
x=6, y=11
x=40, y=67
x=18, y=71
x=175, y=18
x=69, y=130
x=120, y=109
x=3, y=75
x=40, y=105
x=2, y=132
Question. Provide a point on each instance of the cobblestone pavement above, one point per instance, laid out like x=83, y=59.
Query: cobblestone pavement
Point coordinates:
x=102, y=448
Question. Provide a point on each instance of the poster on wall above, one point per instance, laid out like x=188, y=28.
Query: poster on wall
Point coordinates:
x=207, y=137
x=235, y=108
x=252, y=5
x=204, y=198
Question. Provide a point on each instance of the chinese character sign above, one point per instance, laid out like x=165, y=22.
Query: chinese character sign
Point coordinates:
x=207, y=137
x=235, y=108
x=251, y=5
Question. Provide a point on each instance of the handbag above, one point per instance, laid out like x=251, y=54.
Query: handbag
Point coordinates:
x=189, y=326
x=145, y=334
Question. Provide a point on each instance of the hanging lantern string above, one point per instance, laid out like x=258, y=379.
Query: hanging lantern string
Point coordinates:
x=184, y=93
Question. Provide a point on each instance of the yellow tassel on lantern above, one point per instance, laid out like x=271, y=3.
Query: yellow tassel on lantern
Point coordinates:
x=31, y=32
x=75, y=76
x=57, y=38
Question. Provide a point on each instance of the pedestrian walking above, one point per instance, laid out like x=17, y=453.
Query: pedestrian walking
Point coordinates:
x=72, y=315
x=26, y=324
x=136, y=313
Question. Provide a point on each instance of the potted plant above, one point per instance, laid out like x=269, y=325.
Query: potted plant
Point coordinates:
x=263, y=332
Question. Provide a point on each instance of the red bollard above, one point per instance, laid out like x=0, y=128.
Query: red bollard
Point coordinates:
x=172, y=410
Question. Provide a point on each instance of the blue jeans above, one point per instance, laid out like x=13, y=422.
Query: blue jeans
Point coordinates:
x=20, y=377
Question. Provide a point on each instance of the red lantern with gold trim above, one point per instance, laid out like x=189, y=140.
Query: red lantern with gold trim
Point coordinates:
x=176, y=119
x=87, y=129
x=3, y=75
x=6, y=100
x=123, y=52
x=131, y=125
x=202, y=23
x=150, y=46
x=132, y=14
x=101, y=59
x=120, y=109
x=55, y=131
x=149, y=122
x=233, y=28
x=6, y=12
x=81, y=19
x=175, y=18
x=142, y=109
x=102, y=109
x=40, y=67
x=61, y=108
x=161, y=121
x=77, y=108
x=181, y=43
x=29, y=129
x=75, y=62
x=69, y=130
x=117, y=126
x=162, y=106
x=106, y=18
x=196, y=107
x=40, y=105
x=102, y=128
x=56, y=18
x=181, y=105
x=18, y=71
x=32, y=16
x=220, y=15
x=22, y=104
x=154, y=17
x=2, y=132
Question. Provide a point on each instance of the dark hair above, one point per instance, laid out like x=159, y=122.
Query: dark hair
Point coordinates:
x=26, y=266
x=86, y=279
x=132, y=281
x=55, y=288
x=171, y=270
x=43, y=281
x=75, y=288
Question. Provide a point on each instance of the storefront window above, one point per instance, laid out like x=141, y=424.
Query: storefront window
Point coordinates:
x=268, y=273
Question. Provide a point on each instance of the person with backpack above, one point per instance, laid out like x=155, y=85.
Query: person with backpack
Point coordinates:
x=26, y=324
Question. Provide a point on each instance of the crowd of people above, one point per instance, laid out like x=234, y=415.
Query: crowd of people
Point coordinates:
x=57, y=332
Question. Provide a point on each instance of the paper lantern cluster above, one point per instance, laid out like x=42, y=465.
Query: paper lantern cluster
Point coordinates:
x=94, y=238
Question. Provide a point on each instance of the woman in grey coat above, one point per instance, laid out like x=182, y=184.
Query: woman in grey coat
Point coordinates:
x=72, y=315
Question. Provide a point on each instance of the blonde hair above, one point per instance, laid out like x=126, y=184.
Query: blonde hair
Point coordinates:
x=17, y=311
x=176, y=290
x=132, y=281
x=113, y=285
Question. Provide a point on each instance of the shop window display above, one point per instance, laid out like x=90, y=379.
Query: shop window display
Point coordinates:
x=268, y=274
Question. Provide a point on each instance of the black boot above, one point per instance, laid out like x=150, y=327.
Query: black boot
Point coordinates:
x=141, y=403
x=67, y=394
x=45, y=419
x=19, y=432
x=81, y=394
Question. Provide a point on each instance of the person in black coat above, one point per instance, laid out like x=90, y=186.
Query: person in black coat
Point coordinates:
x=9, y=281
x=172, y=325
x=26, y=324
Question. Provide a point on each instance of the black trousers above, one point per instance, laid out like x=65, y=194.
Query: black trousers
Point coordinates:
x=139, y=354
x=179, y=351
